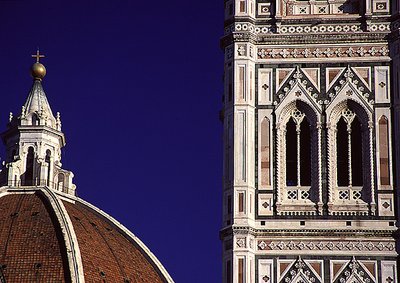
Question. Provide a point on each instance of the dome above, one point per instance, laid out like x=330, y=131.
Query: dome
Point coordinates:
x=47, y=233
x=49, y=236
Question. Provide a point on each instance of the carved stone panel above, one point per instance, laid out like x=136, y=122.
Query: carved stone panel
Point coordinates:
x=385, y=205
x=265, y=204
x=265, y=86
x=382, y=84
x=389, y=271
x=265, y=268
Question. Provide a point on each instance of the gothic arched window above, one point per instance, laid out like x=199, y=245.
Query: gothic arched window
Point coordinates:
x=291, y=153
x=342, y=154
x=351, y=188
x=298, y=159
x=349, y=151
x=298, y=156
x=351, y=163
x=298, y=151
x=384, y=151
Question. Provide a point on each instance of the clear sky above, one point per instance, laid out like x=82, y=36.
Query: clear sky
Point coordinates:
x=139, y=88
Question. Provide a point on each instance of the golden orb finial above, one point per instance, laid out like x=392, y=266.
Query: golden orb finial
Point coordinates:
x=38, y=71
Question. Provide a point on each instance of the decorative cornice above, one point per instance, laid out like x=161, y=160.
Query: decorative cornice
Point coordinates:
x=309, y=232
x=355, y=38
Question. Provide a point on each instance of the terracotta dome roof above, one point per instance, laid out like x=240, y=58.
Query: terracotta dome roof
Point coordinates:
x=47, y=236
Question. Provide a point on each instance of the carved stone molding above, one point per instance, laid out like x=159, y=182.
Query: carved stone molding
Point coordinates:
x=310, y=28
x=241, y=242
x=326, y=246
x=326, y=52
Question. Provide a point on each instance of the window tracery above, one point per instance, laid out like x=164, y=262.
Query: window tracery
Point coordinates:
x=297, y=142
x=349, y=144
x=298, y=159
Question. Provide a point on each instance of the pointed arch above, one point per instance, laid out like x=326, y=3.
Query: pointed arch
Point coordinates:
x=299, y=271
x=354, y=272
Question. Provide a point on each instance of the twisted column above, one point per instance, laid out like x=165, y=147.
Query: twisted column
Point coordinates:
x=371, y=158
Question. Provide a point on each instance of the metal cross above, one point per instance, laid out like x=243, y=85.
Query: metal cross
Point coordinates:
x=37, y=56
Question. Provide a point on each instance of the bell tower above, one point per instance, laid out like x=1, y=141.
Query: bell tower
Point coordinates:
x=311, y=141
x=34, y=140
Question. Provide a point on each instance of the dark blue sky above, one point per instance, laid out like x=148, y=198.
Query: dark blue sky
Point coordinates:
x=139, y=87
